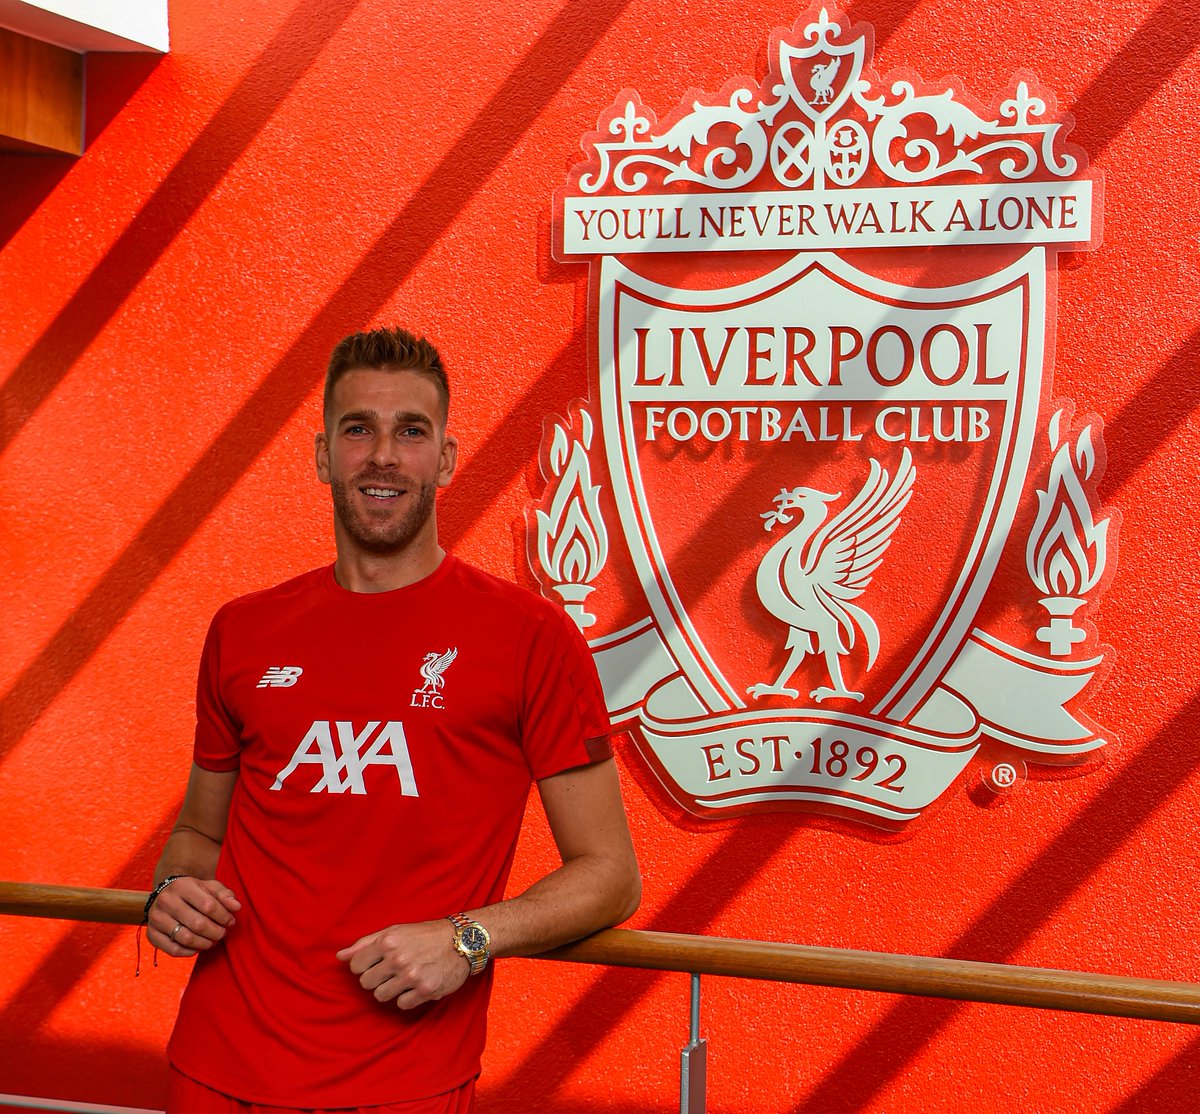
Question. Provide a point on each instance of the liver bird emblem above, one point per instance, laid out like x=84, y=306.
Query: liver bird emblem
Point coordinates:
x=435, y=665
x=808, y=578
x=823, y=74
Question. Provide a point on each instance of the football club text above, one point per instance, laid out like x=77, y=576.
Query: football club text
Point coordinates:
x=942, y=424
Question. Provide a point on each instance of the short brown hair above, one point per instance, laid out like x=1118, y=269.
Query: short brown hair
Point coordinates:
x=392, y=349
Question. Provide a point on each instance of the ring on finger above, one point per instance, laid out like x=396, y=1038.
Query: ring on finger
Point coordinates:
x=175, y=931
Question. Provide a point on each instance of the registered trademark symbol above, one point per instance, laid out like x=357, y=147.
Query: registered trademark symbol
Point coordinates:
x=998, y=782
x=1004, y=775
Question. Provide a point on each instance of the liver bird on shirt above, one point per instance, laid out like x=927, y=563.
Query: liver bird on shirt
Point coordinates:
x=808, y=578
x=435, y=665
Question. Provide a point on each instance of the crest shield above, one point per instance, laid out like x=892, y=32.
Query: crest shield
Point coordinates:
x=714, y=401
x=818, y=471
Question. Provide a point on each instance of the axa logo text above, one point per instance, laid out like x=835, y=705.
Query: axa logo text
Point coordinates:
x=344, y=753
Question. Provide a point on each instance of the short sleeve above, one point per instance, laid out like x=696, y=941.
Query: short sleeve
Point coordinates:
x=564, y=720
x=218, y=744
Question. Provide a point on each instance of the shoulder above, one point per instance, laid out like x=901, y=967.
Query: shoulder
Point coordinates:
x=529, y=624
x=535, y=629
x=495, y=594
x=281, y=598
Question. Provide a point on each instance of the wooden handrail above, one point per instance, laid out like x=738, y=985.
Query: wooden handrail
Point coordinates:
x=72, y=903
x=964, y=980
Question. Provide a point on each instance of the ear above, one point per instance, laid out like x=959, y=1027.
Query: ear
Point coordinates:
x=449, y=460
x=321, y=452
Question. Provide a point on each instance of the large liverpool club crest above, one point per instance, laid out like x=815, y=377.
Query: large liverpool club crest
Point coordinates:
x=829, y=535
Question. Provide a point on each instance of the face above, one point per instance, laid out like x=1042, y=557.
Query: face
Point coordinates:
x=384, y=453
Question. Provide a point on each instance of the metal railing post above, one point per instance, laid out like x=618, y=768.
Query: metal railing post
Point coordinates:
x=693, y=1063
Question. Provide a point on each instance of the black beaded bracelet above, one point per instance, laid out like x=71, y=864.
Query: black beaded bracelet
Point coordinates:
x=155, y=892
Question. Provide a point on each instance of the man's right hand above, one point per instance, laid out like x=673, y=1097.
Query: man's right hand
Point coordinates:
x=191, y=915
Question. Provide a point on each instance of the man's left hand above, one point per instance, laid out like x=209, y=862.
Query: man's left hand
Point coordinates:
x=410, y=963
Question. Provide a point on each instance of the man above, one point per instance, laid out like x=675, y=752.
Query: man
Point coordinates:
x=366, y=737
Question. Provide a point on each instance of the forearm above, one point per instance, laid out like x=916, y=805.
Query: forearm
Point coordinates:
x=195, y=842
x=582, y=896
x=188, y=852
x=194, y=913
x=598, y=884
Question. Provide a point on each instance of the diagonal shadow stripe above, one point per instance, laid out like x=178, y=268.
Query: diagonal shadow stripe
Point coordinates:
x=502, y=454
x=496, y=457
x=83, y=944
x=422, y=221
x=1134, y=74
x=36, y=999
x=1154, y=414
x=507, y=115
x=1158, y=47
x=887, y=19
x=1016, y=915
x=1171, y=1088
x=228, y=133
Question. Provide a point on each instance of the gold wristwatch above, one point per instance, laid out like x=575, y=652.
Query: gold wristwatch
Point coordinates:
x=471, y=941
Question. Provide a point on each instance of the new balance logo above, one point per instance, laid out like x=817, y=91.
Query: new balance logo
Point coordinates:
x=343, y=754
x=280, y=677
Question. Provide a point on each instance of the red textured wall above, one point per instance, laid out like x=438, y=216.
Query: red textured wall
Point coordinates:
x=291, y=171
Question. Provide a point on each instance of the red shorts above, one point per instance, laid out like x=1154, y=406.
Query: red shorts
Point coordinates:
x=186, y=1096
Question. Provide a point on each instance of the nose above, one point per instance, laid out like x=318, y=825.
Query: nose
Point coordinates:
x=384, y=451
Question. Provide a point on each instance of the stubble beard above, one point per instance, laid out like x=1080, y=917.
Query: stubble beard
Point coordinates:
x=383, y=536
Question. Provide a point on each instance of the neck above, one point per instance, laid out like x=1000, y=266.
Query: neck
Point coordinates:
x=360, y=571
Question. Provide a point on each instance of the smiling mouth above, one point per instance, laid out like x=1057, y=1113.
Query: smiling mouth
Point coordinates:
x=380, y=492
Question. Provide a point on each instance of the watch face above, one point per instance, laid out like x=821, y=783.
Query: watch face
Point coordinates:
x=473, y=938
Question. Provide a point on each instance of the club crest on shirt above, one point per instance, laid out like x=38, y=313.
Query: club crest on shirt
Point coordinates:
x=433, y=669
x=831, y=537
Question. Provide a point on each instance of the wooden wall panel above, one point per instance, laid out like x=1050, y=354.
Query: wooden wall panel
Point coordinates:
x=41, y=96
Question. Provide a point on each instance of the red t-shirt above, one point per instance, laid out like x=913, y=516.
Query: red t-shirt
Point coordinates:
x=386, y=743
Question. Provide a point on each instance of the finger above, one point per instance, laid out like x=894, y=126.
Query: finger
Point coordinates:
x=208, y=905
x=415, y=996
x=389, y=989
x=366, y=959
x=226, y=897
x=170, y=942
x=406, y=992
x=189, y=941
x=350, y=952
x=363, y=955
x=379, y=974
x=202, y=935
x=187, y=927
x=193, y=906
